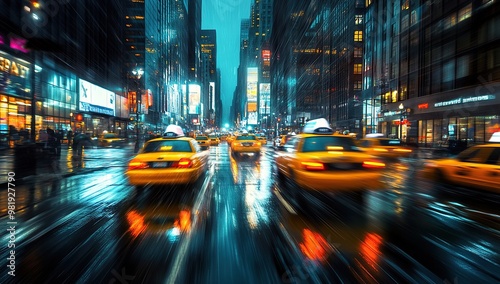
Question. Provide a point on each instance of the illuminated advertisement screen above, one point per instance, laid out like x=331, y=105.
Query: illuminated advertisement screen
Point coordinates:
x=251, y=107
x=252, y=80
x=122, y=108
x=252, y=118
x=265, y=98
x=194, y=99
x=212, y=94
x=14, y=76
x=96, y=99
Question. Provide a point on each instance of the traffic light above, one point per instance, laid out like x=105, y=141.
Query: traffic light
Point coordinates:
x=79, y=117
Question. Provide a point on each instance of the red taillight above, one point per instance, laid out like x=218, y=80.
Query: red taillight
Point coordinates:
x=313, y=166
x=183, y=163
x=373, y=164
x=135, y=165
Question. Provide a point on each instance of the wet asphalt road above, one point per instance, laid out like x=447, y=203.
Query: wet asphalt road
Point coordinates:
x=237, y=225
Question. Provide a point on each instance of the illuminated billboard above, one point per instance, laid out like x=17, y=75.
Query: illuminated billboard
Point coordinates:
x=265, y=98
x=96, y=99
x=252, y=80
x=194, y=99
x=212, y=94
x=252, y=118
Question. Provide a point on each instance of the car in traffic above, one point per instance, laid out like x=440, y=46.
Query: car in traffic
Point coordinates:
x=203, y=141
x=385, y=147
x=281, y=140
x=319, y=160
x=246, y=144
x=476, y=167
x=262, y=138
x=213, y=140
x=110, y=140
x=171, y=159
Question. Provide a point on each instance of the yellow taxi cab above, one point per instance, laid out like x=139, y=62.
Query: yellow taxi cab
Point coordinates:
x=476, y=167
x=169, y=221
x=262, y=138
x=385, y=147
x=318, y=159
x=230, y=138
x=246, y=144
x=203, y=141
x=213, y=140
x=110, y=140
x=171, y=159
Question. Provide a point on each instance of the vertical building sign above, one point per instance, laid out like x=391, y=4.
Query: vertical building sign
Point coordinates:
x=252, y=81
x=194, y=99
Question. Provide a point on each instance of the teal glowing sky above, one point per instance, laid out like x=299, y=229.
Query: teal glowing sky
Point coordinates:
x=225, y=17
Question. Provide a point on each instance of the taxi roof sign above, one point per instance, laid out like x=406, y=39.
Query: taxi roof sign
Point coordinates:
x=173, y=131
x=318, y=126
x=495, y=138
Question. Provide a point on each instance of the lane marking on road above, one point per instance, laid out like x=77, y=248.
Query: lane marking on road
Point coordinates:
x=180, y=258
x=287, y=205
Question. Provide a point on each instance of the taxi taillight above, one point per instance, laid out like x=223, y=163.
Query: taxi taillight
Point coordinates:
x=183, y=163
x=373, y=164
x=135, y=165
x=313, y=166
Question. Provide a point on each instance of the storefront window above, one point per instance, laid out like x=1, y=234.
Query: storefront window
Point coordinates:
x=438, y=127
x=492, y=125
x=480, y=134
x=429, y=133
x=463, y=131
x=421, y=131
x=471, y=130
x=452, y=129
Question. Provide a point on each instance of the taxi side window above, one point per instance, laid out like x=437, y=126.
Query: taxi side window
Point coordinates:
x=291, y=144
x=195, y=145
x=494, y=158
x=365, y=143
x=470, y=155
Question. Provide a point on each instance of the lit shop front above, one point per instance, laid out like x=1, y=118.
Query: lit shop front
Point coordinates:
x=468, y=116
x=15, y=94
x=98, y=108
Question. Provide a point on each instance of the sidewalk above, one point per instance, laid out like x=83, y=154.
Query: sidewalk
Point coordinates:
x=47, y=167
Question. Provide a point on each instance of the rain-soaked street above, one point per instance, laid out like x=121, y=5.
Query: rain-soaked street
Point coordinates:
x=237, y=224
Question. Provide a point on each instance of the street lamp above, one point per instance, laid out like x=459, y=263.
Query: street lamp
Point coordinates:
x=138, y=74
x=401, y=108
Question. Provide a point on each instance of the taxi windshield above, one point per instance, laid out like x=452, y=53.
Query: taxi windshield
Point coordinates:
x=110, y=135
x=246, y=137
x=325, y=143
x=167, y=146
x=201, y=138
x=389, y=142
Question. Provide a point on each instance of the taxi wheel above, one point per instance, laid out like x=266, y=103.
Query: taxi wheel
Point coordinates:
x=138, y=188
